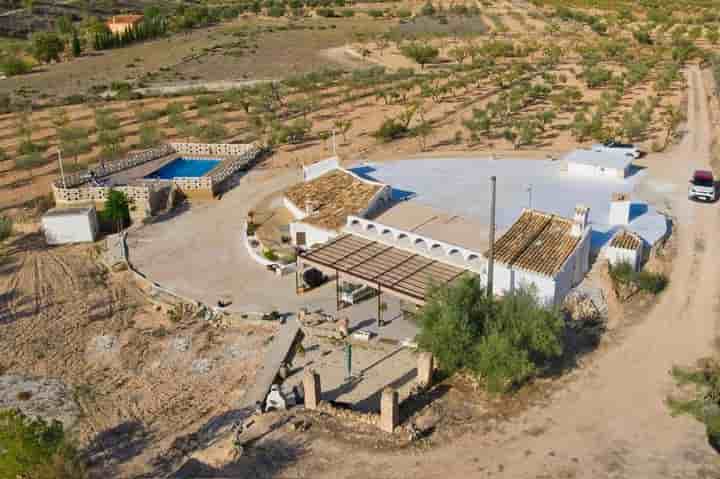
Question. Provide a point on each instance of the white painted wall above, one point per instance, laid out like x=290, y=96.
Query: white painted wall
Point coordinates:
x=70, y=228
x=550, y=290
x=311, y=172
x=582, y=169
x=620, y=255
x=619, y=213
x=313, y=234
x=295, y=210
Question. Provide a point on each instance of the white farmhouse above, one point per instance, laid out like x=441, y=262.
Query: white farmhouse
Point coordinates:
x=544, y=251
x=70, y=225
x=599, y=163
x=625, y=247
x=322, y=203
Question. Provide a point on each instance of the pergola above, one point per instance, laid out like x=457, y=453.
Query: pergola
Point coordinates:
x=401, y=273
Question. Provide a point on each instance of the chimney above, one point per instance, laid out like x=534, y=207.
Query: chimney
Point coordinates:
x=580, y=222
x=311, y=208
x=620, y=209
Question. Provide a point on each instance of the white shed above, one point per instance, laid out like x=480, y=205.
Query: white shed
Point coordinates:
x=599, y=163
x=625, y=247
x=70, y=225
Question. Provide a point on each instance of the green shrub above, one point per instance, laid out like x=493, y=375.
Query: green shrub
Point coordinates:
x=646, y=281
x=348, y=13
x=12, y=65
x=270, y=254
x=6, y=227
x=326, y=12
x=504, y=342
x=116, y=212
x=391, y=130
x=652, y=283
x=33, y=448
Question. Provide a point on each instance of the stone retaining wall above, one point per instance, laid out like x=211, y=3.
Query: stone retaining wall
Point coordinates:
x=372, y=419
x=242, y=156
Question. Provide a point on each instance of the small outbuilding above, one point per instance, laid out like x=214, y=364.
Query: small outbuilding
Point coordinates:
x=599, y=163
x=625, y=247
x=322, y=204
x=70, y=225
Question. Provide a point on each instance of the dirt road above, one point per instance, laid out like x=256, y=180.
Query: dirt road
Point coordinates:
x=611, y=421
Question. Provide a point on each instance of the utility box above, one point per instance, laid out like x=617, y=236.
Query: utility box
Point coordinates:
x=70, y=225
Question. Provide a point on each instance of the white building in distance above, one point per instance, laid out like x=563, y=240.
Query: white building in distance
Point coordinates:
x=599, y=163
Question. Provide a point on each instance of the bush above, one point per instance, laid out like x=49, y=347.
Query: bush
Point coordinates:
x=269, y=254
x=503, y=341
x=12, y=65
x=390, y=130
x=652, y=283
x=116, y=211
x=6, y=227
x=624, y=273
x=34, y=448
x=326, y=12
x=422, y=54
x=47, y=46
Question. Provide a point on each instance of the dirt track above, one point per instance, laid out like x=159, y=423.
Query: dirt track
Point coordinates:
x=612, y=421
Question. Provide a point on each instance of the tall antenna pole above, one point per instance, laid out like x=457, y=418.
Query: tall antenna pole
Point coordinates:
x=62, y=172
x=333, y=143
x=491, y=259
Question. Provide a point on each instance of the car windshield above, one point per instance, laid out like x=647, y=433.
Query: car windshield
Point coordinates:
x=703, y=182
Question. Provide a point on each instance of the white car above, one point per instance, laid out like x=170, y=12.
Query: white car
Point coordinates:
x=614, y=146
x=702, y=186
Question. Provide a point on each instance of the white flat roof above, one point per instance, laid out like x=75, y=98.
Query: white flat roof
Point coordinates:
x=81, y=211
x=602, y=159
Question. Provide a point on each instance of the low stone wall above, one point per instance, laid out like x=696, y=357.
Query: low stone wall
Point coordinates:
x=110, y=167
x=209, y=149
x=233, y=165
x=74, y=190
x=372, y=419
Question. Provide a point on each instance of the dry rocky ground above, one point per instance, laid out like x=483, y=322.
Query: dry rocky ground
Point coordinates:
x=138, y=380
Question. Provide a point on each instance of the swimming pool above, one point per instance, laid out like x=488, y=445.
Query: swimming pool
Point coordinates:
x=184, y=168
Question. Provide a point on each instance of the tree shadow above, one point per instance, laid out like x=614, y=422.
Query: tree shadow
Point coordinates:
x=372, y=402
x=184, y=445
x=417, y=402
x=266, y=460
x=581, y=337
x=117, y=445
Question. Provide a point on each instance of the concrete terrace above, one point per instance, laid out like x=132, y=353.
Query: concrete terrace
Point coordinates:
x=462, y=187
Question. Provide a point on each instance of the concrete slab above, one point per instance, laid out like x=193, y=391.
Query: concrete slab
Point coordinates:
x=373, y=369
x=462, y=187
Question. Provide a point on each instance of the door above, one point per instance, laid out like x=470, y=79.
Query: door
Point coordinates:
x=300, y=238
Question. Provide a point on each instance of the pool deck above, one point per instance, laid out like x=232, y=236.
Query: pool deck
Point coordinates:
x=136, y=174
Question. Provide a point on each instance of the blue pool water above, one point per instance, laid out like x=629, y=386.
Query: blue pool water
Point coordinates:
x=184, y=167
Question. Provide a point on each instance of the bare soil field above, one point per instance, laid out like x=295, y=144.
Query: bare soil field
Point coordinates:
x=243, y=48
x=141, y=379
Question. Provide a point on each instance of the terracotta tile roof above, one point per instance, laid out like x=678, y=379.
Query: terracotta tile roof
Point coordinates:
x=626, y=240
x=334, y=195
x=538, y=242
x=125, y=19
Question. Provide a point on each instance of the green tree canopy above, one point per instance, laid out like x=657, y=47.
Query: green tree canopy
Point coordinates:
x=47, y=46
x=504, y=342
x=420, y=53
x=35, y=449
x=117, y=209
